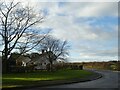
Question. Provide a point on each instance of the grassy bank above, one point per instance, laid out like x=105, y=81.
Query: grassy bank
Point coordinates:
x=20, y=79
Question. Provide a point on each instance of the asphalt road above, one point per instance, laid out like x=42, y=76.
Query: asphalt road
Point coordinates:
x=109, y=80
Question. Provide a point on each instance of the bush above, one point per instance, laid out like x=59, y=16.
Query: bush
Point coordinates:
x=77, y=67
x=21, y=69
x=68, y=66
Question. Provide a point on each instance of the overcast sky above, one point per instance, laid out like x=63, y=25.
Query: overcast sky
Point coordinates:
x=91, y=28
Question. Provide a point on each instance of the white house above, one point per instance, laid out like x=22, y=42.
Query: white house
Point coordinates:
x=19, y=60
x=41, y=60
x=22, y=60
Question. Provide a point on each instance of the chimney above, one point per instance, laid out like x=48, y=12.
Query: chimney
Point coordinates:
x=43, y=51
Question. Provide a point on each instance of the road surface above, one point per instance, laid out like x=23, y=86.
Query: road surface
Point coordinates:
x=109, y=80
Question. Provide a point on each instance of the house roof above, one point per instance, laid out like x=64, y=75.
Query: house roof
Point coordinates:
x=18, y=57
x=23, y=58
x=37, y=56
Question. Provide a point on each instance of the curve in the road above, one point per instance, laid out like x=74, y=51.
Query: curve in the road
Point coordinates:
x=109, y=80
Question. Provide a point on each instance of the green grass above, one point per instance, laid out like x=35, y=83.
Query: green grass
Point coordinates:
x=18, y=79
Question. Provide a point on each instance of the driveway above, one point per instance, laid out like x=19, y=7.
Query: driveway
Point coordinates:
x=109, y=80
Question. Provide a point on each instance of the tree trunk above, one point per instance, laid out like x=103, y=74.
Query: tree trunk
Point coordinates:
x=51, y=67
x=5, y=57
x=4, y=64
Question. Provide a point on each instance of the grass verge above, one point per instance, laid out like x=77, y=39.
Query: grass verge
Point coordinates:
x=42, y=78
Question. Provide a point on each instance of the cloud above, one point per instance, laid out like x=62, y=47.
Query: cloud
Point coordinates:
x=93, y=53
x=90, y=27
x=61, y=19
x=96, y=55
x=90, y=9
x=72, y=31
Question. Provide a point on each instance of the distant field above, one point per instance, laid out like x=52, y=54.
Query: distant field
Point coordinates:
x=111, y=65
x=13, y=80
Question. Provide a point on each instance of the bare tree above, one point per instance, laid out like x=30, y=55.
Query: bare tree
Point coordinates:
x=55, y=49
x=31, y=41
x=15, y=21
